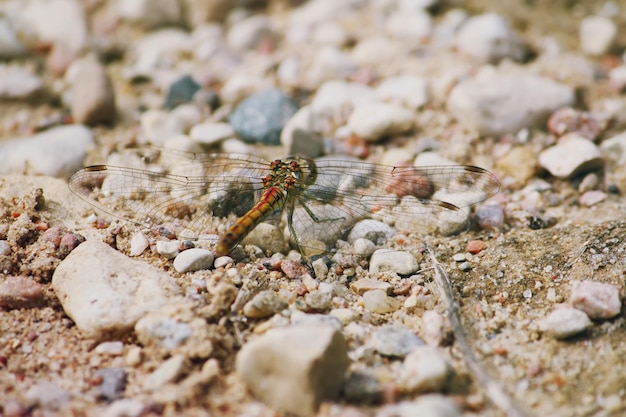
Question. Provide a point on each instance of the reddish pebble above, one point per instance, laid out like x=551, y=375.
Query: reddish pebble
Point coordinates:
x=20, y=292
x=293, y=269
x=568, y=120
x=54, y=235
x=102, y=223
x=476, y=246
x=489, y=216
x=69, y=242
x=12, y=408
x=596, y=299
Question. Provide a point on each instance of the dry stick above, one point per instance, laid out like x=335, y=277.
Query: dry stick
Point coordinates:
x=492, y=389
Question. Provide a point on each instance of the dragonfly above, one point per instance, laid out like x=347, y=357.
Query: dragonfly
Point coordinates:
x=321, y=200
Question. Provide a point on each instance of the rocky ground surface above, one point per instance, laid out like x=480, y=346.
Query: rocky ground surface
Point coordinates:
x=101, y=317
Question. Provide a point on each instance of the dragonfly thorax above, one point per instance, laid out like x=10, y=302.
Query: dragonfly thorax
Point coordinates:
x=295, y=171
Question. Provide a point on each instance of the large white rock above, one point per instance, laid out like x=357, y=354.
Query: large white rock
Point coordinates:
x=295, y=368
x=104, y=292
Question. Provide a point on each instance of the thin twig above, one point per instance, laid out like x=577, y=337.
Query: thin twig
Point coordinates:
x=493, y=390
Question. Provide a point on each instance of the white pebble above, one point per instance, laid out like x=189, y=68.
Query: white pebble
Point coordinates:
x=110, y=348
x=597, y=35
x=168, y=248
x=425, y=369
x=489, y=38
x=565, y=322
x=193, y=259
x=571, y=155
x=377, y=301
x=138, y=243
x=597, y=299
x=211, y=133
x=402, y=263
x=377, y=120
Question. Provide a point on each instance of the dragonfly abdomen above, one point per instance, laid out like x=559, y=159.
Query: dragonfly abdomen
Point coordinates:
x=273, y=200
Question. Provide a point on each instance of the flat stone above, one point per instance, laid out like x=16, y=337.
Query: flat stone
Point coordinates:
x=378, y=120
x=105, y=293
x=377, y=301
x=193, y=259
x=596, y=299
x=294, y=369
x=386, y=260
x=497, y=104
x=571, y=155
x=395, y=341
x=20, y=292
x=565, y=322
x=362, y=285
x=57, y=152
x=264, y=304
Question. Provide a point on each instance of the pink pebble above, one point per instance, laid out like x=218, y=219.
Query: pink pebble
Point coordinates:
x=596, y=299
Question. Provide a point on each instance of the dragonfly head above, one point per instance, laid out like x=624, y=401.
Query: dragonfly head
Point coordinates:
x=302, y=169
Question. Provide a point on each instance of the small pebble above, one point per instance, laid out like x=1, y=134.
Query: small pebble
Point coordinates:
x=110, y=348
x=18, y=83
x=433, y=331
x=47, y=395
x=596, y=299
x=475, y=246
x=181, y=91
x=465, y=266
x=168, y=248
x=488, y=38
x=168, y=371
x=264, y=304
x=378, y=120
x=20, y=292
x=459, y=257
x=489, y=216
x=113, y=382
x=432, y=405
x=409, y=91
x=394, y=341
x=138, y=243
x=569, y=120
x=597, y=35
x=565, y=322
x=364, y=247
x=261, y=117
x=590, y=198
x=318, y=300
x=93, y=96
x=211, y=133
x=425, y=369
x=193, y=259
x=572, y=154
x=362, y=285
x=5, y=249
x=377, y=301
x=386, y=260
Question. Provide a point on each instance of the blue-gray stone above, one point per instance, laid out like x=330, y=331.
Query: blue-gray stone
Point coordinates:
x=261, y=117
x=181, y=91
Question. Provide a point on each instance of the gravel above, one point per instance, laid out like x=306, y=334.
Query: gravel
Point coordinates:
x=533, y=94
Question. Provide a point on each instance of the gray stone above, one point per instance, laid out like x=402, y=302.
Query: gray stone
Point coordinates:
x=294, y=369
x=261, y=117
x=497, y=104
x=395, y=341
x=105, y=293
